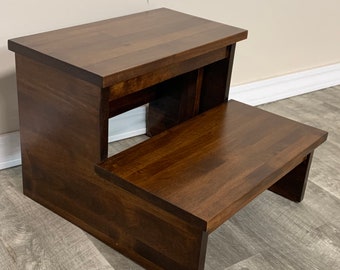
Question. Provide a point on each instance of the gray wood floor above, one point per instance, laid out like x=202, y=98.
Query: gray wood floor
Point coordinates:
x=272, y=232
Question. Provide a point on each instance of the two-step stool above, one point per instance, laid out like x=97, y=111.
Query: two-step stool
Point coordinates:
x=207, y=157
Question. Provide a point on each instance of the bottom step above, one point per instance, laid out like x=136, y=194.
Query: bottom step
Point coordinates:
x=209, y=167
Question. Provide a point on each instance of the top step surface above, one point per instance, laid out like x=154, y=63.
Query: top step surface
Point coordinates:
x=214, y=164
x=114, y=50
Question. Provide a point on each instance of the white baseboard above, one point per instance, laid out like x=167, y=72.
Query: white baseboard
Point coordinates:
x=282, y=87
x=132, y=123
x=126, y=125
x=10, y=150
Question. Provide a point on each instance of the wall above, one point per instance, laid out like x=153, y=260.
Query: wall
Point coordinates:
x=284, y=36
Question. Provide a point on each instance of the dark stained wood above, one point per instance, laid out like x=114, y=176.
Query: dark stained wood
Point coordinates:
x=70, y=81
x=216, y=81
x=293, y=184
x=150, y=40
x=61, y=121
x=133, y=100
x=208, y=89
x=177, y=101
x=156, y=202
x=214, y=164
x=157, y=76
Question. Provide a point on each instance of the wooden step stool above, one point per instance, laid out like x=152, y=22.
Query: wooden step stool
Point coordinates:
x=208, y=157
x=206, y=169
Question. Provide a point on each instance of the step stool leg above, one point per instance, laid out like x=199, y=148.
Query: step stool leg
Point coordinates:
x=292, y=186
x=192, y=253
x=162, y=245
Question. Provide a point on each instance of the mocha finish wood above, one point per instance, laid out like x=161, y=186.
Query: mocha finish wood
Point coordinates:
x=115, y=50
x=216, y=81
x=214, y=164
x=157, y=76
x=177, y=101
x=269, y=233
x=70, y=81
x=293, y=184
x=204, y=89
x=60, y=145
x=157, y=202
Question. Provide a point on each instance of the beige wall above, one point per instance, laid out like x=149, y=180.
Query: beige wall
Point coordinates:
x=284, y=36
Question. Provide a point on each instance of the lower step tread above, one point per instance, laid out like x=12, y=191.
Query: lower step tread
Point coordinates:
x=214, y=164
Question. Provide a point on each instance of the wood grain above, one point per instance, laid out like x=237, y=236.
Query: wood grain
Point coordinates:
x=270, y=232
x=62, y=122
x=187, y=95
x=164, y=196
x=213, y=165
x=216, y=81
x=293, y=184
x=177, y=100
x=70, y=81
x=157, y=76
x=150, y=40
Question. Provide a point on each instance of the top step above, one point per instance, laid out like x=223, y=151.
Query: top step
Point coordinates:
x=209, y=167
x=115, y=50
